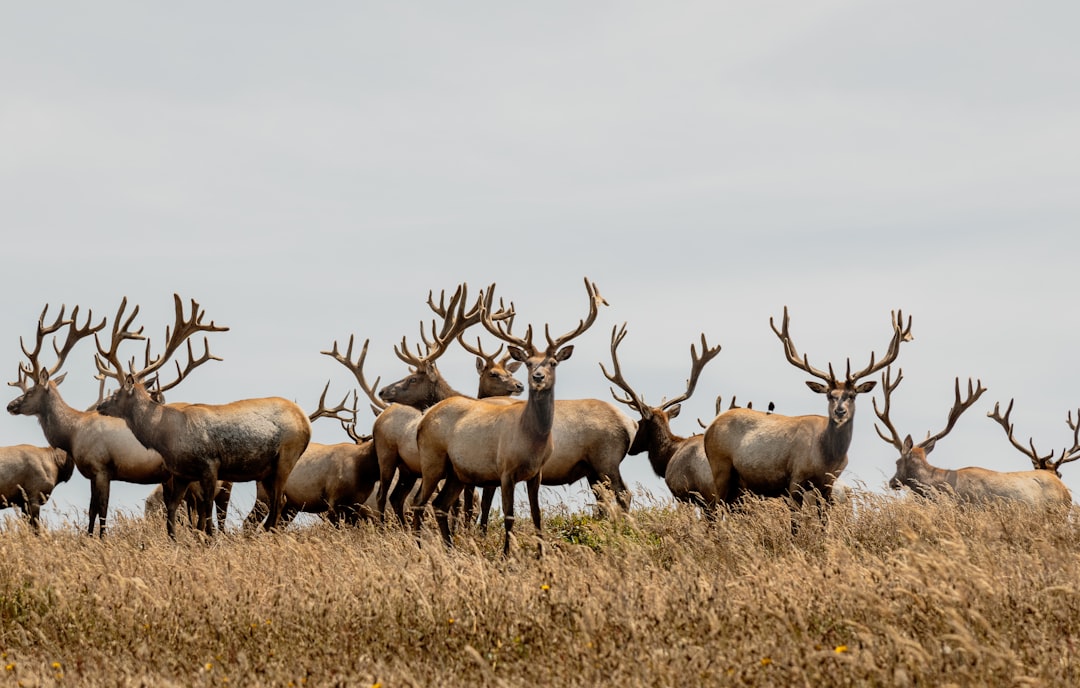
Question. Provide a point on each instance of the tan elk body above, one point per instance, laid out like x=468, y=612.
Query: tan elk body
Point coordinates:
x=28, y=476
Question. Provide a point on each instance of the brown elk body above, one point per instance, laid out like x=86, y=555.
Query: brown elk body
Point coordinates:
x=28, y=476
x=772, y=455
x=680, y=461
x=251, y=439
x=402, y=404
x=479, y=442
x=103, y=449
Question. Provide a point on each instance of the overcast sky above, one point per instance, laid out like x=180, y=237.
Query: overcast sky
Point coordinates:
x=311, y=172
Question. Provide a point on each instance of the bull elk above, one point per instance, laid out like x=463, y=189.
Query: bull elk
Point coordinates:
x=680, y=461
x=772, y=455
x=252, y=439
x=1047, y=462
x=1037, y=488
x=103, y=449
x=28, y=476
x=466, y=441
x=402, y=404
x=154, y=507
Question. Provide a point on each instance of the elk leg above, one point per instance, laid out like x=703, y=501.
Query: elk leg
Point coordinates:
x=532, y=486
x=103, y=483
x=487, y=496
x=172, y=492
x=205, y=504
x=221, y=504
x=258, y=512
x=275, y=490
x=388, y=460
x=427, y=488
x=507, y=490
x=444, y=504
x=405, y=482
x=32, y=507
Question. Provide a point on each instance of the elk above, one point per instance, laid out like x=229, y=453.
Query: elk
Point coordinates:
x=1037, y=488
x=103, y=449
x=401, y=404
x=680, y=461
x=1045, y=463
x=772, y=455
x=28, y=476
x=466, y=441
x=251, y=439
x=330, y=479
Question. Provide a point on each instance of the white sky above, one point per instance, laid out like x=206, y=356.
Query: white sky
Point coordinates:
x=311, y=172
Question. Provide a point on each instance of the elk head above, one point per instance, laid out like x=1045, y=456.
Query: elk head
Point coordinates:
x=912, y=465
x=36, y=381
x=841, y=393
x=135, y=384
x=654, y=427
x=496, y=375
x=539, y=364
x=1047, y=462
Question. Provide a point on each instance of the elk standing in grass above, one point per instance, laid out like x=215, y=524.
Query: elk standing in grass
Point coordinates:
x=28, y=476
x=1044, y=463
x=772, y=455
x=466, y=441
x=680, y=461
x=103, y=449
x=331, y=479
x=252, y=439
x=1038, y=488
x=402, y=404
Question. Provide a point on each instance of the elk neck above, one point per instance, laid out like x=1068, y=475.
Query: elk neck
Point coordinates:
x=58, y=420
x=835, y=441
x=538, y=414
x=655, y=436
x=65, y=465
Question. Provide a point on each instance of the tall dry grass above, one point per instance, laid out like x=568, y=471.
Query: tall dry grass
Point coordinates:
x=889, y=593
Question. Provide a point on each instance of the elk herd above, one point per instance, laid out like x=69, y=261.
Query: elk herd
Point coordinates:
x=430, y=443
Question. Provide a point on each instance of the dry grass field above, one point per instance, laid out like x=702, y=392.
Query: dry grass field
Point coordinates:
x=890, y=592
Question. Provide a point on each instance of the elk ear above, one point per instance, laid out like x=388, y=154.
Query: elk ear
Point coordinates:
x=59, y=378
x=865, y=387
x=43, y=377
x=928, y=446
x=564, y=353
x=908, y=444
x=129, y=382
x=517, y=353
x=817, y=387
x=480, y=363
x=673, y=412
x=513, y=366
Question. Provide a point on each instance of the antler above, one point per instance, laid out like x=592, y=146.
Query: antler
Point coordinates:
x=958, y=408
x=697, y=364
x=1045, y=463
x=455, y=320
x=900, y=334
x=176, y=335
x=631, y=399
x=357, y=368
x=888, y=386
x=594, y=308
x=495, y=326
x=31, y=373
x=323, y=412
x=489, y=359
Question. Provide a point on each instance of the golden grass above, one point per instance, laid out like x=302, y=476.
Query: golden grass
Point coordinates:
x=889, y=593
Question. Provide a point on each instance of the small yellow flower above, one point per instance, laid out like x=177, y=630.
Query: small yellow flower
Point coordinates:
x=545, y=587
x=766, y=661
x=10, y=667
x=56, y=665
x=840, y=649
x=450, y=621
x=376, y=685
x=209, y=666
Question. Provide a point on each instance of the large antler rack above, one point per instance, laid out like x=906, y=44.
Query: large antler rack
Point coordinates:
x=697, y=364
x=492, y=325
x=1047, y=462
x=974, y=391
x=33, y=373
x=456, y=319
x=357, y=369
x=900, y=334
x=180, y=333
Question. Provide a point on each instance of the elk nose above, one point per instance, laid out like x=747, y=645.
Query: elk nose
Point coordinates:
x=537, y=377
x=841, y=411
